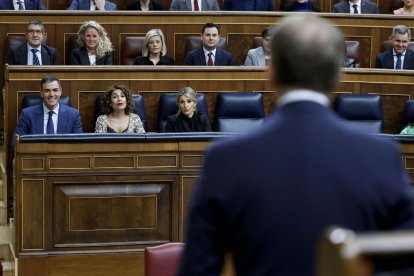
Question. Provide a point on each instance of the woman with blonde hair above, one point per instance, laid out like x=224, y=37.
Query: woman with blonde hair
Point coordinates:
x=407, y=9
x=154, y=50
x=95, y=48
x=187, y=119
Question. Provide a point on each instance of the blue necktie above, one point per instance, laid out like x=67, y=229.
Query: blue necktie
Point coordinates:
x=21, y=8
x=49, y=128
x=398, y=63
x=35, y=58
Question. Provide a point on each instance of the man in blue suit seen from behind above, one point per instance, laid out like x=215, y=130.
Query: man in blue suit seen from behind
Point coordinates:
x=92, y=5
x=268, y=195
x=49, y=117
x=209, y=54
x=22, y=5
x=248, y=5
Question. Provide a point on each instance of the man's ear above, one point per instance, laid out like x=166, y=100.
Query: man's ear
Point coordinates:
x=390, y=38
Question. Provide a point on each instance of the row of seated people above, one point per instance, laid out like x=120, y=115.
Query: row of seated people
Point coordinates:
x=95, y=48
x=119, y=111
x=340, y=6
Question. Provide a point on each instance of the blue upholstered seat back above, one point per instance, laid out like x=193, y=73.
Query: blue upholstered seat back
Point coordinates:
x=139, y=108
x=31, y=100
x=239, y=112
x=363, y=111
x=167, y=106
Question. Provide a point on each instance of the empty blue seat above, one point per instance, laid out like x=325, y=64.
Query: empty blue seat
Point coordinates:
x=167, y=106
x=362, y=111
x=138, y=109
x=239, y=112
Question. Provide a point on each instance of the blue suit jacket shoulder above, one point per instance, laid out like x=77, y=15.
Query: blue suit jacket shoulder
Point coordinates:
x=239, y=5
x=86, y=5
x=29, y=5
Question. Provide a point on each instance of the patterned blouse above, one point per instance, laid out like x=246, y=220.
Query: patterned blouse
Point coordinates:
x=135, y=124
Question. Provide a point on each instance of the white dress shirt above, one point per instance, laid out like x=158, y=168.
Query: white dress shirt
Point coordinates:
x=30, y=54
x=351, y=8
x=213, y=56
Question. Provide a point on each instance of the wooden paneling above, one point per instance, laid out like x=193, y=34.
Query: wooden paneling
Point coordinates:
x=102, y=210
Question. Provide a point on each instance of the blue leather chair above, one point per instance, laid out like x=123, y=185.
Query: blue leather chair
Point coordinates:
x=139, y=108
x=167, y=106
x=31, y=100
x=238, y=111
x=407, y=113
x=362, y=111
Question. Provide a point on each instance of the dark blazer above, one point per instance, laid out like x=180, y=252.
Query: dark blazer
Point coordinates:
x=79, y=56
x=153, y=6
x=196, y=57
x=31, y=120
x=18, y=55
x=293, y=6
x=86, y=5
x=240, y=5
x=29, y=5
x=366, y=7
x=185, y=5
x=386, y=60
x=179, y=123
x=164, y=60
x=268, y=195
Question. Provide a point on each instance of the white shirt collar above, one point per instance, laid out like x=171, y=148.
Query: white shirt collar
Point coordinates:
x=46, y=109
x=207, y=51
x=29, y=47
x=394, y=53
x=303, y=95
x=358, y=3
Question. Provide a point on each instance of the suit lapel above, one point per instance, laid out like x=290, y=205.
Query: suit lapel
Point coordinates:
x=389, y=60
x=407, y=60
x=218, y=57
x=188, y=5
x=62, y=119
x=39, y=121
x=201, y=57
x=45, y=56
x=347, y=8
x=22, y=51
x=28, y=5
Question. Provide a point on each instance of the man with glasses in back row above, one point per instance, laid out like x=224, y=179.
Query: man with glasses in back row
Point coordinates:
x=21, y=5
x=33, y=52
x=399, y=56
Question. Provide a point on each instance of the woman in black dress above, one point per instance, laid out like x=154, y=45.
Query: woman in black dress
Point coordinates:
x=154, y=50
x=188, y=119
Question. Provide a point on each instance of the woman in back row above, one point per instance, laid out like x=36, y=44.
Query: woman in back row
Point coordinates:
x=95, y=46
x=154, y=50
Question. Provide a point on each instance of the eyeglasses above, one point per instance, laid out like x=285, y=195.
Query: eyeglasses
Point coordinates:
x=32, y=32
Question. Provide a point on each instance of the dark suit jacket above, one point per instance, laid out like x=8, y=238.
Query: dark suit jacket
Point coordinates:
x=31, y=120
x=29, y=5
x=185, y=5
x=79, y=56
x=268, y=195
x=153, y=6
x=386, y=60
x=196, y=57
x=164, y=60
x=86, y=5
x=366, y=7
x=293, y=6
x=181, y=123
x=18, y=55
x=240, y=5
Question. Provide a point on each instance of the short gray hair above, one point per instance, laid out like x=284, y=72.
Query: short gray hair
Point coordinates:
x=401, y=29
x=308, y=53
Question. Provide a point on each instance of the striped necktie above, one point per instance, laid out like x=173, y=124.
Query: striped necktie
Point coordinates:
x=20, y=3
x=35, y=58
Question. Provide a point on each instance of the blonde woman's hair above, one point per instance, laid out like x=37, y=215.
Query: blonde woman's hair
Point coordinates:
x=104, y=44
x=152, y=33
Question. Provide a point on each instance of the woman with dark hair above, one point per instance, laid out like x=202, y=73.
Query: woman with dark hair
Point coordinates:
x=260, y=56
x=409, y=129
x=119, y=116
x=188, y=119
x=144, y=5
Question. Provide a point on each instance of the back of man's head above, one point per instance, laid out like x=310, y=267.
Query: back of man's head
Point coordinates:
x=308, y=53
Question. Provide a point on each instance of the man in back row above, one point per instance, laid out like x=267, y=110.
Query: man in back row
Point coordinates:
x=399, y=56
x=356, y=7
x=194, y=5
x=209, y=54
x=33, y=52
x=21, y=5
x=268, y=195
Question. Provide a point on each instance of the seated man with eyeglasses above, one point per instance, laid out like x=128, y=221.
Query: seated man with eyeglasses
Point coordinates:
x=33, y=52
